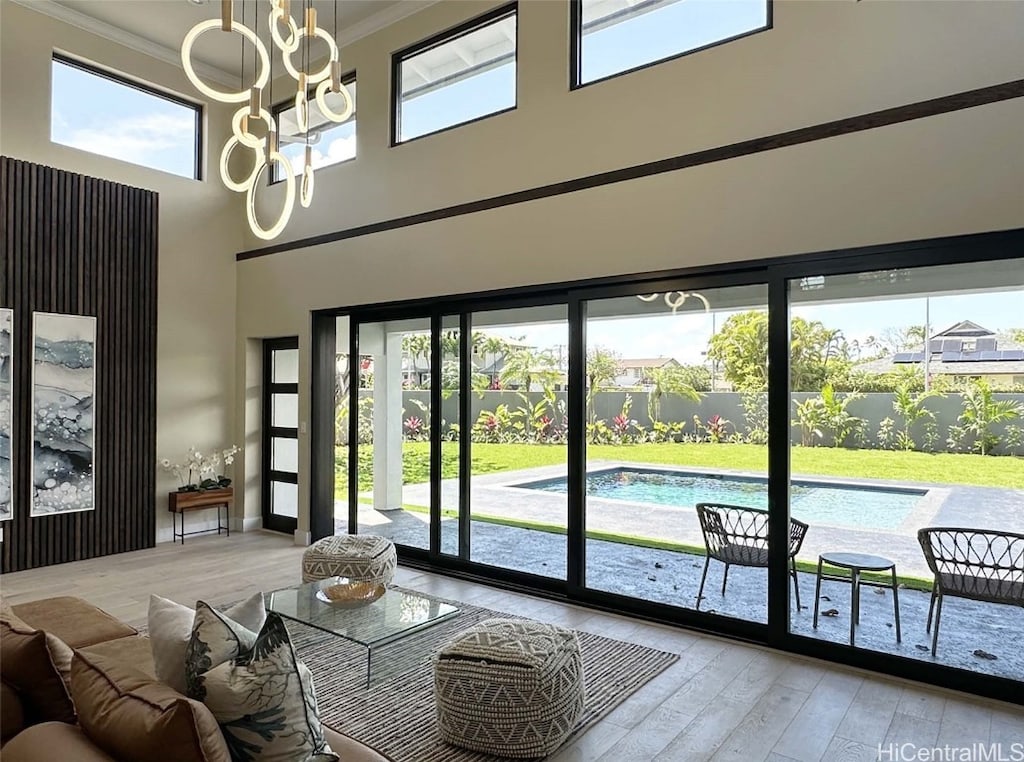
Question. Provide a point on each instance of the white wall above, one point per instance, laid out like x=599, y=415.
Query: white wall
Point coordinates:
x=822, y=60
x=200, y=230
x=946, y=175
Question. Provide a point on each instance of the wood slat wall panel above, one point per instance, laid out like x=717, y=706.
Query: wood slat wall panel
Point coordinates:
x=79, y=245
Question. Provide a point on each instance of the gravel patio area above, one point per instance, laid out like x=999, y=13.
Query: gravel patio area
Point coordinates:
x=971, y=631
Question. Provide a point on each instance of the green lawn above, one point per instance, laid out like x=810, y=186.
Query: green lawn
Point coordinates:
x=942, y=468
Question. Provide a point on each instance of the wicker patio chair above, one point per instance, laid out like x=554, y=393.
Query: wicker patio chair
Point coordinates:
x=737, y=535
x=977, y=564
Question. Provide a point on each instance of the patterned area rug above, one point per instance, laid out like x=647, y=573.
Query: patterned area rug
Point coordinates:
x=396, y=714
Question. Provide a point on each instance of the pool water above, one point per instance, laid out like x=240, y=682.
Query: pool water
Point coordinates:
x=844, y=505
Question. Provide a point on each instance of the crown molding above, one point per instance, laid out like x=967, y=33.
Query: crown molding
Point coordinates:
x=386, y=17
x=128, y=39
x=350, y=34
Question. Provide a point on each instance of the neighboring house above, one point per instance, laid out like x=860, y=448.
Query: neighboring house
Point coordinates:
x=637, y=371
x=963, y=352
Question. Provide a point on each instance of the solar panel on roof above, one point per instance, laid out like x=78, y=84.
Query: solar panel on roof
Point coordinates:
x=989, y=356
x=902, y=357
x=917, y=357
x=1013, y=354
x=952, y=345
x=935, y=345
x=951, y=357
x=986, y=345
x=970, y=357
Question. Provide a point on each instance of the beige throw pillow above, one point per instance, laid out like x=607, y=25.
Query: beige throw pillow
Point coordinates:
x=170, y=629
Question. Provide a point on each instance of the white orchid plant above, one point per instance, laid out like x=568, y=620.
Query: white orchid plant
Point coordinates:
x=202, y=471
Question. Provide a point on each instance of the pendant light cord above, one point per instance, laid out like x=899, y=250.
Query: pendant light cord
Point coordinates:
x=241, y=50
x=305, y=68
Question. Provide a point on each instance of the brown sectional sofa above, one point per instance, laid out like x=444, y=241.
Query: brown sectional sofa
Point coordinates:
x=26, y=733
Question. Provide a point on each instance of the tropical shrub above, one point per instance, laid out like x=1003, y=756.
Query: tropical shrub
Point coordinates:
x=827, y=414
x=667, y=432
x=910, y=408
x=981, y=411
x=715, y=430
x=755, y=413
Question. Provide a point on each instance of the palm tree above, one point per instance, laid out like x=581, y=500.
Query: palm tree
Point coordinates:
x=415, y=346
x=493, y=346
x=667, y=380
x=524, y=365
x=602, y=369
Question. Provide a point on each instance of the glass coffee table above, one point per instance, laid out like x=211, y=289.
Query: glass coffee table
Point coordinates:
x=395, y=615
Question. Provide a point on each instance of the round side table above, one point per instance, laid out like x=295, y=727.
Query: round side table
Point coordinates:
x=856, y=563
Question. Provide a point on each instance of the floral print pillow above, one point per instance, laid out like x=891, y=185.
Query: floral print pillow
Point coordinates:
x=256, y=687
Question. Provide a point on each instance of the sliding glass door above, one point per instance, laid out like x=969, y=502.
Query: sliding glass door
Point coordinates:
x=676, y=448
x=518, y=427
x=907, y=390
x=821, y=455
x=392, y=442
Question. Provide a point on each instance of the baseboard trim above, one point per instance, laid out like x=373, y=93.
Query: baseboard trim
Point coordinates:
x=246, y=523
x=302, y=539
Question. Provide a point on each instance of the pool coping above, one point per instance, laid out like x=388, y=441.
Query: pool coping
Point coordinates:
x=934, y=495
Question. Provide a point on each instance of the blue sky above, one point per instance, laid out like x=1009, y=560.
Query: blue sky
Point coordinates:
x=665, y=32
x=685, y=336
x=108, y=118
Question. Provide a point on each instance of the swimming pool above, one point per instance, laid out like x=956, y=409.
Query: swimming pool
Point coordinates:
x=845, y=505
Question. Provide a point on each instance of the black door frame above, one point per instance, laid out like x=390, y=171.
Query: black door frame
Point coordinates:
x=777, y=273
x=272, y=521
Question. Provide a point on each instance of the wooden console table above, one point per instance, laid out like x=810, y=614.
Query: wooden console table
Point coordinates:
x=180, y=503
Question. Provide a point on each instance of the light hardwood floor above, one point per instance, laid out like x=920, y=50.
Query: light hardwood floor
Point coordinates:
x=721, y=701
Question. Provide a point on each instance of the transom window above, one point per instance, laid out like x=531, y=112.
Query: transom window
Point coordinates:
x=459, y=76
x=332, y=142
x=103, y=113
x=615, y=36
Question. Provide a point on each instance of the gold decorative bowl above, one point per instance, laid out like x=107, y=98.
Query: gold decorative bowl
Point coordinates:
x=343, y=592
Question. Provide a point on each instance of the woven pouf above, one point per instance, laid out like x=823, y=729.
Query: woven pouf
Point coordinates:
x=509, y=687
x=360, y=557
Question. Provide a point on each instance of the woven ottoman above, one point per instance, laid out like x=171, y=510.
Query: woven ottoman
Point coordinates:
x=360, y=557
x=509, y=687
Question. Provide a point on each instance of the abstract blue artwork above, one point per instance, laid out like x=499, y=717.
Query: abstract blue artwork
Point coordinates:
x=6, y=414
x=63, y=383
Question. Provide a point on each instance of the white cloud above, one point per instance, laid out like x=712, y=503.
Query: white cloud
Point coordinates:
x=339, y=149
x=134, y=139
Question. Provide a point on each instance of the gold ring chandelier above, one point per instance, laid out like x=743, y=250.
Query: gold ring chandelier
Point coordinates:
x=675, y=299
x=288, y=38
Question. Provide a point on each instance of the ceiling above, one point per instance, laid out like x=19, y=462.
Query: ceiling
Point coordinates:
x=164, y=23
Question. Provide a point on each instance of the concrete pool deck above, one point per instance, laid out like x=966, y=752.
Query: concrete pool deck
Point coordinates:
x=498, y=495
x=673, y=578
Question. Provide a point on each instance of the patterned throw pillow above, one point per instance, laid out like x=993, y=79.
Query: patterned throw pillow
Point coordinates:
x=170, y=630
x=260, y=693
x=216, y=638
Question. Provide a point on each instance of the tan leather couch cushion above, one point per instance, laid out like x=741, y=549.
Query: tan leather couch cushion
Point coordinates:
x=138, y=719
x=133, y=651
x=36, y=665
x=53, y=742
x=351, y=750
x=12, y=716
x=74, y=621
